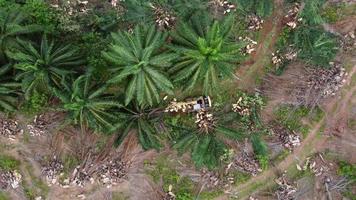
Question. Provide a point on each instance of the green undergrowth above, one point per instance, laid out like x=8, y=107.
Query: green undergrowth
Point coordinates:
x=291, y=117
x=209, y=195
x=119, y=196
x=34, y=187
x=336, y=12
x=162, y=170
x=4, y=196
x=8, y=163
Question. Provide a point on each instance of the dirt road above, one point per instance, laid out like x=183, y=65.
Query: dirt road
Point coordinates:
x=335, y=109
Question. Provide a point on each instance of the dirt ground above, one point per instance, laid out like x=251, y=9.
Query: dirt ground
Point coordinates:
x=338, y=125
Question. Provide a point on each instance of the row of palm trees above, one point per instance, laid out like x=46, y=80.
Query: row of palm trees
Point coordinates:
x=145, y=63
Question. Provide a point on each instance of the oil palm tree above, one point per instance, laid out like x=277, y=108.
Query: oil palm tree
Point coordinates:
x=141, y=120
x=316, y=46
x=87, y=104
x=8, y=90
x=139, y=60
x=206, y=143
x=206, y=54
x=43, y=67
x=12, y=25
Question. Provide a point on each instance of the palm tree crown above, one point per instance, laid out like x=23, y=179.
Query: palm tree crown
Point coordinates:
x=206, y=141
x=87, y=104
x=141, y=120
x=205, y=53
x=139, y=59
x=44, y=67
x=12, y=26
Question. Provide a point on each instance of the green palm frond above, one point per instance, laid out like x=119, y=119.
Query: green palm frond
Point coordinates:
x=311, y=12
x=12, y=25
x=8, y=90
x=261, y=8
x=88, y=105
x=206, y=147
x=316, y=46
x=139, y=60
x=206, y=54
x=43, y=67
x=138, y=119
x=140, y=11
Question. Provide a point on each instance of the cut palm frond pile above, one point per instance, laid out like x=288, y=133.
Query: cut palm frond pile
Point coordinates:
x=279, y=59
x=175, y=106
x=327, y=82
x=164, y=19
x=205, y=121
x=242, y=107
x=291, y=19
x=10, y=179
x=316, y=165
x=285, y=191
x=53, y=170
x=9, y=128
x=250, y=47
x=348, y=41
x=289, y=139
x=38, y=127
x=247, y=163
x=254, y=22
x=222, y=6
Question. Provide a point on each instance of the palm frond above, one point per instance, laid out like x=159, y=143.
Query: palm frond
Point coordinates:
x=139, y=60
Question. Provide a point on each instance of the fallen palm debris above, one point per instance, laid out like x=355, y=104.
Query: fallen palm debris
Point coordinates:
x=163, y=18
x=316, y=165
x=9, y=128
x=205, y=121
x=289, y=139
x=285, y=191
x=39, y=126
x=212, y=179
x=203, y=102
x=278, y=59
x=52, y=171
x=242, y=107
x=247, y=163
x=10, y=179
x=348, y=41
x=112, y=172
x=223, y=5
x=108, y=173
x=250, y=47
x=169, y=195
x=327, y=81
x=254, y=22
x=291, y=19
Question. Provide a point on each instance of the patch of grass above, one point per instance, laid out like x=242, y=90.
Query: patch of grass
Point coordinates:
x=240, y=177
x=336, y=12
x=348, y=170
x=290, y=117
x=209, y=195
x=8, y=163
x=36, y=103
x=162, y=170
x=119, y=196
x=69, y=163
x=316, y=114
x=281, y=156
x=4, y=196
x=37, y=187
